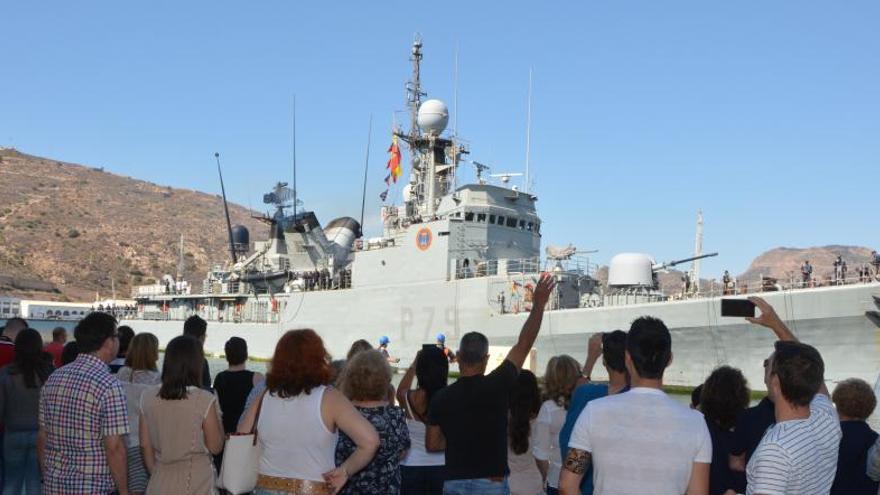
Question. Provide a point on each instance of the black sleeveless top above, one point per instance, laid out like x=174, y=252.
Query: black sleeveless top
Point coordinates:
x=233, y=388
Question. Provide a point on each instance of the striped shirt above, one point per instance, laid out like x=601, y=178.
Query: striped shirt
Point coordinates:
x=798, y=456
x=80, y=405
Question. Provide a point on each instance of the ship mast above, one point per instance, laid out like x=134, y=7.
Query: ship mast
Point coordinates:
x=434, y=158
x=698, y=250
x=414, y=91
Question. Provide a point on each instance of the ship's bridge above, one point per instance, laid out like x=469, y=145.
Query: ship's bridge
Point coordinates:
x=492, y=223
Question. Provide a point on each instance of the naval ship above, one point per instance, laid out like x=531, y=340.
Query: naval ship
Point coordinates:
x=457, y=258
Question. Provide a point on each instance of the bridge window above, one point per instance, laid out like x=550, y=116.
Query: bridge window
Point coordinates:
x=522, y=225
x=530, y=226
x=492, y=219
x=511, y=222
x=500, y=220
x=469, y=216
x=481, y=218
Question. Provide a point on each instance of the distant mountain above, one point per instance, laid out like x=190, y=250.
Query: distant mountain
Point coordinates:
x=780, y=263
x=784, y=262
x=68, y=231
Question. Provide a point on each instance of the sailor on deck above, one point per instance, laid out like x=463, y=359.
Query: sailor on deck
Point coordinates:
x=441, y=343
x=806, y=272
x=383, y=348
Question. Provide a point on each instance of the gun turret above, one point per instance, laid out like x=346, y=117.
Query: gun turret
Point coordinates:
x=669, y=264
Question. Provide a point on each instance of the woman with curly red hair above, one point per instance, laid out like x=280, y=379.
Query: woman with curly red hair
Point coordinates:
x=299, y=417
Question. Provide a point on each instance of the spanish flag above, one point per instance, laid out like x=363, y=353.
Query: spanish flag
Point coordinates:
x=393, y=166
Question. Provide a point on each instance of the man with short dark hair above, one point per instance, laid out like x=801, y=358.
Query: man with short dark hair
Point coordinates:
x=83, y=417
x=797, y=455
x=611, y=347
x=125, y=336
x=56, y=347
x=468, y=419
x=641, y=441
x=196, y=327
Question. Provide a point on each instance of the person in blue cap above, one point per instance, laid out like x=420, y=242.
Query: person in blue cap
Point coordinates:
x=383, y=347
x=441, y=343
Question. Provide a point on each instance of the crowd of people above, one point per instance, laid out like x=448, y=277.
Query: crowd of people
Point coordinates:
x=97, y=416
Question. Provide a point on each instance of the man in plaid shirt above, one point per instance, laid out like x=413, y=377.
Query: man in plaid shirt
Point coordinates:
x=83, y=417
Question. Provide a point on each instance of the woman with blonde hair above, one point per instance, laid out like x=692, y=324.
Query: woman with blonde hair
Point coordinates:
x=298, y=419
x=367, y=378
x=138, y=375
x=560, y=379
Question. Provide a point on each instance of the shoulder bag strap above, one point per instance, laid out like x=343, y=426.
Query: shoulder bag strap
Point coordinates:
x=257, y=417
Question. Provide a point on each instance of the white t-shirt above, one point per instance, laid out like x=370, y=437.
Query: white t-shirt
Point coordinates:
x=551, y=417
x=797, y=456
x=641, y=441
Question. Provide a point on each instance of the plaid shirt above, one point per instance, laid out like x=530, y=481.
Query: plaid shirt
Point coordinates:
x=80, y=404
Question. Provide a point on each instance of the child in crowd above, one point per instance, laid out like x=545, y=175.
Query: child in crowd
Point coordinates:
x=855, y=401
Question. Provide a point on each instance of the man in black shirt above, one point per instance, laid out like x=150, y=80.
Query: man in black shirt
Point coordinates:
x=468, y=419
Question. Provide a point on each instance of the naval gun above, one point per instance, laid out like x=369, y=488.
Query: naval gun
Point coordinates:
x=669, y=264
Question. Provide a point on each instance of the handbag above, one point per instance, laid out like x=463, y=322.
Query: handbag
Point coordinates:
x=241, y=459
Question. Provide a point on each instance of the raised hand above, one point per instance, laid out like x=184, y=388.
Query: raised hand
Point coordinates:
x=768, y=318
x=594, y=346
x=543, y=290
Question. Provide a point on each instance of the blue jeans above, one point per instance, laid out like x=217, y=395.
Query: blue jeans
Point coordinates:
x=479, y=486
x=22, y=473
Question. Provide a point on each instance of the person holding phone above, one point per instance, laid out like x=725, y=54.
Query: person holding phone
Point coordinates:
x=797, y=455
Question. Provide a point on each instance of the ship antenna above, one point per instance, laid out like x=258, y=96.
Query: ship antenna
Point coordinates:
x=455, y=121
x=294, y=157
x=698, y=250
x=528, y=133
x=414, y=89
x=455, y=96
x=366, y=165
x=226, y=209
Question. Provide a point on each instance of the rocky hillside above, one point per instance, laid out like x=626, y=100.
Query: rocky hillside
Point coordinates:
x=780, y=263
x=68, y=231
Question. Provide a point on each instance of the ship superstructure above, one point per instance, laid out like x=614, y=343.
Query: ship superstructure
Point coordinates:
x=455, y=258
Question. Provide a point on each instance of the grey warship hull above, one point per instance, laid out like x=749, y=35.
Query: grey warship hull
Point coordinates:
x=841, y=321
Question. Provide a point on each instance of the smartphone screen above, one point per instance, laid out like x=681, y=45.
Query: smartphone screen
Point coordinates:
x=737, y=307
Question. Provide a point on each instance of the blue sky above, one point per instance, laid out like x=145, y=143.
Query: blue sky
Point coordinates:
x=765, y=115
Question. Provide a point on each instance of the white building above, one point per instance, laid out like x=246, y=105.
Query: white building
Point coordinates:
x=9, y=307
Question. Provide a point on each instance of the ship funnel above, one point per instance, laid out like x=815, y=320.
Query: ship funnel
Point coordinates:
x=341, y=233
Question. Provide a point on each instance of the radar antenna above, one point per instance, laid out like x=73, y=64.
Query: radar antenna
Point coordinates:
x=480, y=168
x=505, y=176
x=414, y=91
x=282, y=196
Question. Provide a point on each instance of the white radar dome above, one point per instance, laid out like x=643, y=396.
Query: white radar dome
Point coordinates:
x=629, y=269
x=433, y=116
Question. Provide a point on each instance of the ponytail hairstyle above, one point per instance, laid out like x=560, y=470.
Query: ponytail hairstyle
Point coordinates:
x=560, y=379
x=525, y=401
x=649, y=345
